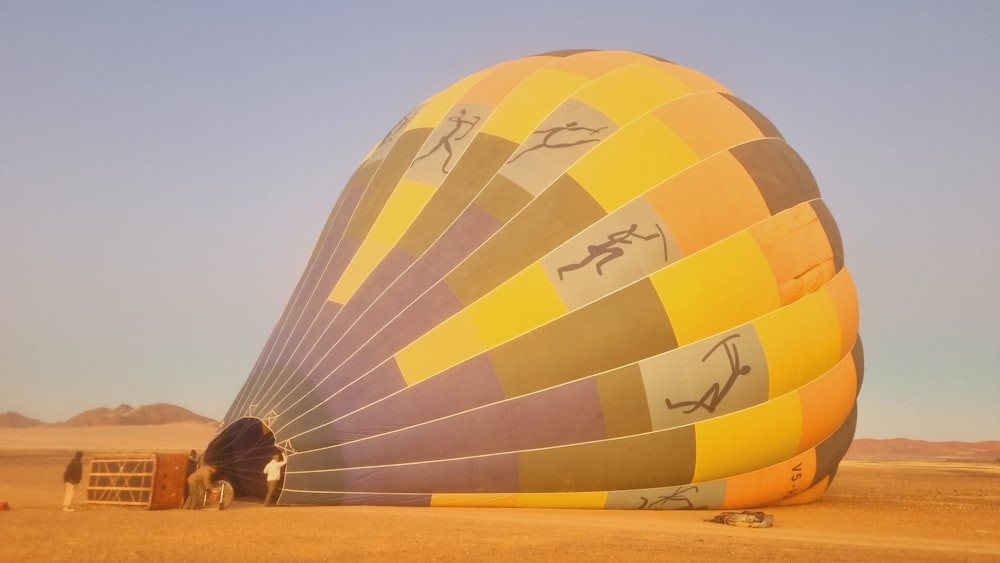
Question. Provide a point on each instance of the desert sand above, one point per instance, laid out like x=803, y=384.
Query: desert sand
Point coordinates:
x=918, y=511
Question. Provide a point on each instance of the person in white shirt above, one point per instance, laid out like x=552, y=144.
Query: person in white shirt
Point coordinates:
x=273, y=472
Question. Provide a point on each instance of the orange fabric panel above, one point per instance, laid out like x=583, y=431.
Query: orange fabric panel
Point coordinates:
x=501, y=79
x=811, y=494
x=845, y=296
x=708, y=123
x=827, y=402
x=798, y=250
x=708, y=202
x=597, y=63
x=770, y=484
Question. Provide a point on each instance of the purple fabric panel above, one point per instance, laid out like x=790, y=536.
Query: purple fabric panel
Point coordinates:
x=308, y=301
x=466, y=234
x=326, y=265
x=315, y=333
x=272, y=378
x=433, y=307
x=497, y=473
x=569, y=414
x=483, y=432
x=279, y=391
x=324, y=404
x=320, y=295
x=469, y=230
x=397, y=298
x=388, y=270
x=384, y=380
x=293, y=497
x=468, y=385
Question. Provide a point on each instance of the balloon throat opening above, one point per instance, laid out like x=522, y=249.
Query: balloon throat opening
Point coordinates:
x=240, y=453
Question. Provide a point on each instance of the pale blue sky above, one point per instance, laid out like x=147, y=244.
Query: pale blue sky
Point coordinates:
x=166, y=168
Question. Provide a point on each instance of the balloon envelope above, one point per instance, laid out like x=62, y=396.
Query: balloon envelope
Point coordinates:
x=577, y=279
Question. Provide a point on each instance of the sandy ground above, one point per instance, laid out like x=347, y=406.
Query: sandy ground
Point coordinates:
x=875, y=511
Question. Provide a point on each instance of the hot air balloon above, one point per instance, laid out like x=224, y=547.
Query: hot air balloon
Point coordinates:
x=590, y=279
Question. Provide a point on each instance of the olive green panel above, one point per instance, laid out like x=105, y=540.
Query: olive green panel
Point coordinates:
x=832, y=232
x=705, y=379
x=620, y=391
x=564, y=53
x=762, y=123
x=477, y=165
x=638, y=462
x=782, y=177
x=384, y=182
x=551, y=219
x=503, y=199
x=620, y=329
x=832, y=450
x=859, y=361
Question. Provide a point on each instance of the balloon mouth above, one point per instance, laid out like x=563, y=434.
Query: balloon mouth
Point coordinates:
x=240, y=452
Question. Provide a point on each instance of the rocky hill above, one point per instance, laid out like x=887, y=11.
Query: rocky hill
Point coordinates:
x=15, y=420
x=122, y=415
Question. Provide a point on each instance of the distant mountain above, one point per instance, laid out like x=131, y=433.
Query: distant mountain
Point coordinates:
x=15, y=420
x=146, y=415
x=903, y=448
x=122, y=415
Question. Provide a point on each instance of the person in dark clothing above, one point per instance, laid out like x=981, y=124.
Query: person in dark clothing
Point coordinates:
x=192, y=463
x=72, y=477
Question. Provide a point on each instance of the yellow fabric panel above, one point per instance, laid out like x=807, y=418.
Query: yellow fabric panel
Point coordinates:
x=827, y=402
x=725, y=285
x=647, y=87
x=709, y=202
x=801, y=342
x=527, y=105
x=748, y=440
x=811, y=494
x=492, y=89
x=845, y=295
x=363, y=263
x=768, y=485
x=615, y=172
x=445, y=345
x=559, y=500
x=404, y=204
x=521, y=500
x=520, y=304
x=438, y=105
x=797, y=246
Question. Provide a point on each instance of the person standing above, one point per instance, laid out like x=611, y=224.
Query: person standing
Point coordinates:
x=72, y=477
x=192, y=466
x=192, y=463
x=198, y=482
x=273, y=472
